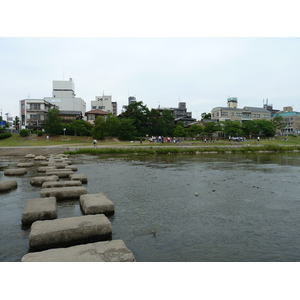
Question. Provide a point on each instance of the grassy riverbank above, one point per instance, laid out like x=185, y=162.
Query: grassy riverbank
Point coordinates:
x=84, y=145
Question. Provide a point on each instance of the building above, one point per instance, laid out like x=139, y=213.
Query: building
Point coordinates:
x=180, y=114
x=93, y=114
x=63, y=97
x=105, y=104
x=131, y=99
x=291, y=120
x=233, y=113
x=33, y=112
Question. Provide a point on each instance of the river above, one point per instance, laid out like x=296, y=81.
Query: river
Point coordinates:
x=181, y=208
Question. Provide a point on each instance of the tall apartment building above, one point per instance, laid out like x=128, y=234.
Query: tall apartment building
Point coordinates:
x=106, y=104
x=131, y=99
x=233, y=113
x=63, y=96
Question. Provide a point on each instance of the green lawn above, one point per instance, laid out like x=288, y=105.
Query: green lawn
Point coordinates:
x=33, y=140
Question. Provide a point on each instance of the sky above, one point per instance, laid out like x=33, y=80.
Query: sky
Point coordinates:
x=160, y=56
x=162, y=71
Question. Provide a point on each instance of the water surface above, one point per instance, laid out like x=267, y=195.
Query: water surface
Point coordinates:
x=212, y=207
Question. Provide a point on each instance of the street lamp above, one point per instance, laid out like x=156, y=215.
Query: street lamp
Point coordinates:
x=64, y=131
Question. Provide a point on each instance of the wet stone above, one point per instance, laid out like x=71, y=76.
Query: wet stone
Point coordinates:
x=107, y=251
x=39, y=209
x=71, y=231
x=96, y=204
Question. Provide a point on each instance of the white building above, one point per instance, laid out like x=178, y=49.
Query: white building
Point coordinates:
x=33, y=112
x=63, y=96
x=104, y=103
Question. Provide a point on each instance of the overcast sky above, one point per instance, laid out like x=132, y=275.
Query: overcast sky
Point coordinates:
x=158, y=69
x=202, y=72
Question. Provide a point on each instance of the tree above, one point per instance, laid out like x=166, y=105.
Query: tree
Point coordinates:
x=98, y=131
x=161, y=123
x=53, y=123
x=232, y=128
x=79, y=127
x=139, y=114
x=278, y=122
x=210, y=128
x=16, y=122
x=126, y=130
x=112, y=125
x=206, y=116
x=194, y=130
x=179, y=131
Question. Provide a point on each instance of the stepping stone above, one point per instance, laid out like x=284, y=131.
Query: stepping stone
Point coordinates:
x=39, y=180
x=71, y=167
x=12, y=172
x=80, y=177
x=61, y=173
x=6, y=185
x=27, y=164
x=52, y=184
x=30, y=156
x=96, y=204
x=40, y=157
x=44, y=169
x=69, y=232
x=61, y=193
x=39, y=209
x=107, y=251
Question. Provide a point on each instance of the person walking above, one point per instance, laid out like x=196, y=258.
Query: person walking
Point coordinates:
x=95, y=142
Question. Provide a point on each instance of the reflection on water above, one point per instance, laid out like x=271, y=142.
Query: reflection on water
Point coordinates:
x=247, y=208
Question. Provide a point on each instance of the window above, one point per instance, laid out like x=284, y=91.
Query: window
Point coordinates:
x=232, y=114
x=224, y=113
x=94, y=107
x=266, y=116
x=256, y=115
x=34, y=106
x=238, y=114
x=101, y=107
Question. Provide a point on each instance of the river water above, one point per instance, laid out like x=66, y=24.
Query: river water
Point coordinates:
x=199, y=208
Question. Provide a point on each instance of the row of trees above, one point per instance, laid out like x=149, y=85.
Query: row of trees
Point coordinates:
x=138, y=121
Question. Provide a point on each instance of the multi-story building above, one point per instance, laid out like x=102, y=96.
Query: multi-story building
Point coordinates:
x=180, y=114
x=233, y=113
x=63, y=96
x=291, y=120
x=33, y=112
x=131, y=99
x=105, y=103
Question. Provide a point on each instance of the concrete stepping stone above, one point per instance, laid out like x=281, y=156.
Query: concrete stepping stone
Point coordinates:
x=39, y=209
x=71, y=167
x=40, y=157
x=69, y=232
x=80, y=177
x=62, y=193
x=107, y=251
x=52, y=184
x=44, y=169
x=29, y=155
x=6, y=185
x=96, y=204
x=26, y=164
x=39, y=180
x=61, y=173
x=12, y=172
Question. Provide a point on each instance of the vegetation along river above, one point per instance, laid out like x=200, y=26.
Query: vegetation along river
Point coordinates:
x=199, y=208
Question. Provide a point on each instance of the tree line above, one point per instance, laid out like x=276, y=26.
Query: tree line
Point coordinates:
x=137, y=121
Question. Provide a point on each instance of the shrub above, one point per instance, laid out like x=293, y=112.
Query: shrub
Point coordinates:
x=5, y=135
x=24, y=132
x=39, y=132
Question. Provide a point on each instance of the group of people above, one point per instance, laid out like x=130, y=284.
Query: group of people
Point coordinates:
x=161, y=139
